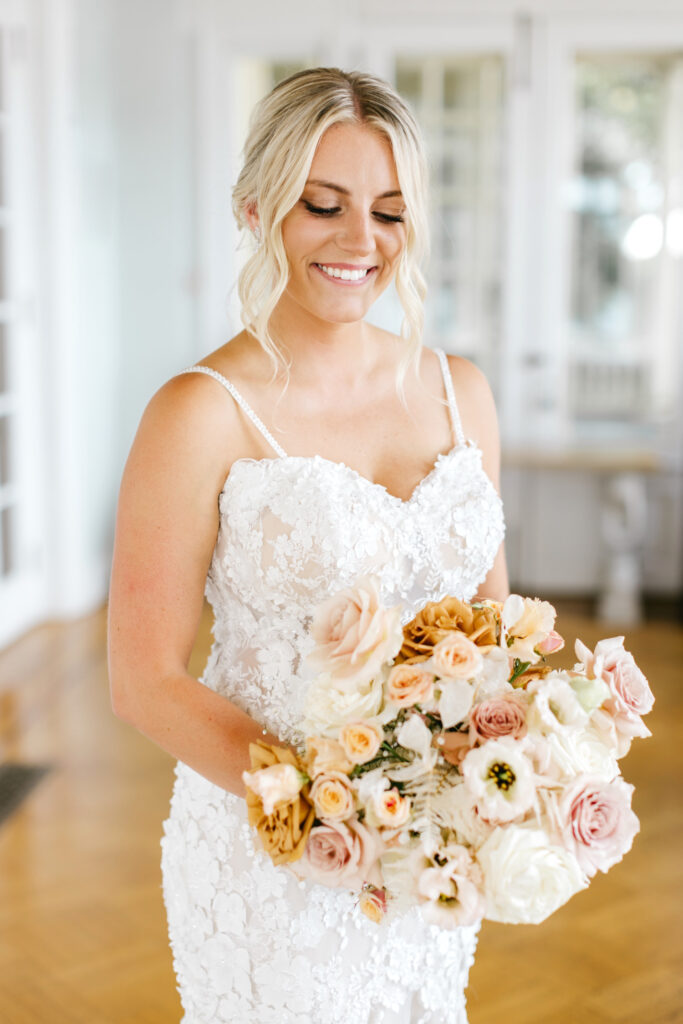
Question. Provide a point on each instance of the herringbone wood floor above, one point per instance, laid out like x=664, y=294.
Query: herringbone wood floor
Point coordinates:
x=82, y=931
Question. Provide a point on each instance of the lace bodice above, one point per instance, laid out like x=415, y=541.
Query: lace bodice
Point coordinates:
x=292, y=530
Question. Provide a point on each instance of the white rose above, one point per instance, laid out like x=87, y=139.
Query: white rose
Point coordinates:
x=526, y=877
x=580, y=751
x=328, y=706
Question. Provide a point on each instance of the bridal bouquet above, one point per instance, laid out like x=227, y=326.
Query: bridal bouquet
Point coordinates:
x=448, y=765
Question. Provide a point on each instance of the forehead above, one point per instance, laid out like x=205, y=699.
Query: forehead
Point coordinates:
x=354, y=155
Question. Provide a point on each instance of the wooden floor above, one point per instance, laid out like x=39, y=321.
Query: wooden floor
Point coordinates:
x=82, y=930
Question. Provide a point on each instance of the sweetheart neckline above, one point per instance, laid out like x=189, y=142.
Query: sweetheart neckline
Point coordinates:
x=438, y=462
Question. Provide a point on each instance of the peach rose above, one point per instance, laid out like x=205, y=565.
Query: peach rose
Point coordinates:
x=499, y=716
x=284, y=832
x=325, y=755
x=332, y=796
x=354, y=635
x=409, y=684
x=456, y=657
x=480, y=623
x=373, y=903
x=341, y=854
x=360, y=741
x=528, y=622
x=390, y=808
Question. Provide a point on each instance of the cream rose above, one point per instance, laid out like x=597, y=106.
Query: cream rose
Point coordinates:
x=329, y=707
x=456, y=657
x=276, y=784
x=409, y=684
x=360, y=741
x=526, y=876
x=354, y=635
x=332, y=796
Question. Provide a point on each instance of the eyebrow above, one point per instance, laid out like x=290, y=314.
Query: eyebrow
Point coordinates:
x=345, y=191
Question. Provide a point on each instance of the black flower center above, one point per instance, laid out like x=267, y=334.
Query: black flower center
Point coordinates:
x=502, y=774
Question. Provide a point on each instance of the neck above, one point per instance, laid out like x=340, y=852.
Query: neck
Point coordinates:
x=319, y=350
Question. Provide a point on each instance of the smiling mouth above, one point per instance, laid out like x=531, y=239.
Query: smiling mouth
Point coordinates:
x=345, y=275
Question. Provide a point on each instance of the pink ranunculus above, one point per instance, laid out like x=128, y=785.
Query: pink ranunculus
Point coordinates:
x=499, y=716
x=355, y=635
x=597, y=820
x=341, y=855
x=631, y=695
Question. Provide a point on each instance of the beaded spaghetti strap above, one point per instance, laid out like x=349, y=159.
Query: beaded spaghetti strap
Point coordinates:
x=243, y=404
x=450, y=395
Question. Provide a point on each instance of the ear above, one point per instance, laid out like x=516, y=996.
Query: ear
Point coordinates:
x=251, y=216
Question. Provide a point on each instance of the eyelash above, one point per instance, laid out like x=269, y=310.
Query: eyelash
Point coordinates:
x=330, y=211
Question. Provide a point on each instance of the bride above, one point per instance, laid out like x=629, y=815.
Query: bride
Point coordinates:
x=309, y=450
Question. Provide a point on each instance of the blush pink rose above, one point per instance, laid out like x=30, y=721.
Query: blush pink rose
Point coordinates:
x=499, y=716
x=598, y=823
x=630, y=691
x=341, y=855
x=355, y=635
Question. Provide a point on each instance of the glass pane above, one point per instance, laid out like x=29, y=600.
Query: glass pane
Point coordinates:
x=459, y=103
x=4, y=375
x=7, y=533
x=627, y=119
x=4, y=450
x=3, y=264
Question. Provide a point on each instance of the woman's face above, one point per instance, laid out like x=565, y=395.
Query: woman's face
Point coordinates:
x=346, y=234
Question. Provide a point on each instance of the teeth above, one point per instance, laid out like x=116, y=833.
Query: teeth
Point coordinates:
x=345, y=275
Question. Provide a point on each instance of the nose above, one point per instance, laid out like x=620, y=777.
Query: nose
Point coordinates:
x=356, y=233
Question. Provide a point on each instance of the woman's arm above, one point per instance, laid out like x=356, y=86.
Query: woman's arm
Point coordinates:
x=166, y=527
x=480, y=423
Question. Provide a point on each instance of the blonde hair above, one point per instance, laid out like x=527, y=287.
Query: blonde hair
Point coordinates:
x=285, y=129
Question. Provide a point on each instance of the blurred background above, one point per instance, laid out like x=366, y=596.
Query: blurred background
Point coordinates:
x=555, y=138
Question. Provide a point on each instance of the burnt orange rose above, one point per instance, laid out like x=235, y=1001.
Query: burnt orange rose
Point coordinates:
x=438, y=619
x=283, y=833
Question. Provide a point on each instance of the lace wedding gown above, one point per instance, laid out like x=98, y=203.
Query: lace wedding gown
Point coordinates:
x=251, y=943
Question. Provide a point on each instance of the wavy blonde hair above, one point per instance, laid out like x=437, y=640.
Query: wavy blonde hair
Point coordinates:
x=285, y=129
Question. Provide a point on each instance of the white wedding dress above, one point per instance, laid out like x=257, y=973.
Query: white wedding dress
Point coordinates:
x=251, y=943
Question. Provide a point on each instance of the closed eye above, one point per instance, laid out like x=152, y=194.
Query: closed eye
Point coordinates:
x=331, y=211
x=321, y=211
